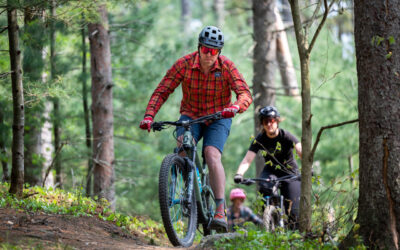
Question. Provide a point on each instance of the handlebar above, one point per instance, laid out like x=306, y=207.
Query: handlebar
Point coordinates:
x=286, y=178
x=158, y=126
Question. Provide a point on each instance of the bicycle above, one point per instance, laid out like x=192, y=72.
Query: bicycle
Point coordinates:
x=185, y=195
x=274, y=215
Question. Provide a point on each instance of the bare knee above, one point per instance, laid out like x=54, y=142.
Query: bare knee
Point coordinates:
x=213, y=156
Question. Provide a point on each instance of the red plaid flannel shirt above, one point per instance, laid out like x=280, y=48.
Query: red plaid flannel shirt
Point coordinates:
x=202, y=95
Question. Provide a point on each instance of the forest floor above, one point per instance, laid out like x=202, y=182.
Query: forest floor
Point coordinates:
x=56, y=231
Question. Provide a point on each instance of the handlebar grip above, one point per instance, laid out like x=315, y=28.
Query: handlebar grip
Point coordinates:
x=247, y=182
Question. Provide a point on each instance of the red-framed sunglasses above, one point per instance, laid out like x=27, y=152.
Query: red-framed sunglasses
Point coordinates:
x=206, y=50
x=269, y=120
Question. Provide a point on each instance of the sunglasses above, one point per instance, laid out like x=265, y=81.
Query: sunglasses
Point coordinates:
x=206, y=50
x=269, y=120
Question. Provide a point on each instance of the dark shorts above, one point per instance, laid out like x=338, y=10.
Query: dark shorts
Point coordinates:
x=214, y=134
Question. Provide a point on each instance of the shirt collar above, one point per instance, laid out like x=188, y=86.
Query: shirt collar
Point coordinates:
x=196, y=63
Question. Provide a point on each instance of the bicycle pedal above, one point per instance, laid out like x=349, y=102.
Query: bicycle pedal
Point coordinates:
x=221, y=230
x=218, y=227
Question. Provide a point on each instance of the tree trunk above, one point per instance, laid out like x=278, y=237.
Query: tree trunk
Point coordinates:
x=56, y=102
x=285, y=10
x=306, y=138
x=264, y=56
x=219, y=6
x=102, y=108
x=185, y=16
x=32, y=64
x=47, y=145
x=17, y=172
x=86, y=115
x=377, y=25
x=3, y=151
x=284, y=58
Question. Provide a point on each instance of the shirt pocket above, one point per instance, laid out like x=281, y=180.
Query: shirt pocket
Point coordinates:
x=217, y=81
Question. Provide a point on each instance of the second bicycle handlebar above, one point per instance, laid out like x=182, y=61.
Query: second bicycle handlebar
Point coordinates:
x=286, y=178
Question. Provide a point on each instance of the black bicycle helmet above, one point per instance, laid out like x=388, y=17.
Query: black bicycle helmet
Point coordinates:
x=268, y=112
x=212, y=37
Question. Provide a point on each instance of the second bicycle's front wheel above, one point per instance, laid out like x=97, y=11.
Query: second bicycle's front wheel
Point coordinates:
x=271, y=218
x=179, y=215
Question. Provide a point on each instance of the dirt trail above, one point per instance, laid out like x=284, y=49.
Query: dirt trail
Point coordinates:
x=65, y=232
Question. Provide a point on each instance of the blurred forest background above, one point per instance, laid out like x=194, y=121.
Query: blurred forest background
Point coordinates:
x=146, y=38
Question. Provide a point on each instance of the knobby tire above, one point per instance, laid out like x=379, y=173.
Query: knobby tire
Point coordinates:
x=271, y=218
x=179, y=219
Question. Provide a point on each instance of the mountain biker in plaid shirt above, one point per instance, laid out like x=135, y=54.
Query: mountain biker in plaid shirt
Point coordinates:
x=208, y=79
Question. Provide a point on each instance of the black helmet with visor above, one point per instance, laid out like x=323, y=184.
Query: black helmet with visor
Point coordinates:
x=268, y=112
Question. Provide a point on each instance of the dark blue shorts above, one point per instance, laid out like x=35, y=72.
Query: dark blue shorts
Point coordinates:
x=214, y=134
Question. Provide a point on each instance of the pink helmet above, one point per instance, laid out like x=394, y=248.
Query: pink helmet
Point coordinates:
x=237, y=193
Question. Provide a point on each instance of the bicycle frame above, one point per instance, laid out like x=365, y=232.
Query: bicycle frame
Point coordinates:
x=189, y=147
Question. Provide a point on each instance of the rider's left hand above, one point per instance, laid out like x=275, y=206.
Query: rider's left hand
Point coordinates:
x=230, y=112
x=238, y=178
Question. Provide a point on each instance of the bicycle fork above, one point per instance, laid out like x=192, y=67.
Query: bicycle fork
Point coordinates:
x=282, y=212
x=190, y=187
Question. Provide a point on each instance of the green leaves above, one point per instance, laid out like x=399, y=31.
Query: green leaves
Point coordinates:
x=258, y=239
x=391, y=40
x=377, y=40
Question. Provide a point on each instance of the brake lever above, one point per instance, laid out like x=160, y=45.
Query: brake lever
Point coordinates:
x=157, y=126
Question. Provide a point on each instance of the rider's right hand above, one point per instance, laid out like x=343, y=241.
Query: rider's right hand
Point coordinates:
x=238, y=178
x=146, y=123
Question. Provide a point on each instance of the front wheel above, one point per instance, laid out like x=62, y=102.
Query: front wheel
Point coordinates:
x=179, y=215
x=271, y=218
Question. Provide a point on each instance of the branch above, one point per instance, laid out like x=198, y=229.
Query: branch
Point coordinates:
x=3, y=29
x=5, y=9
x=313, y=17
x=321, y=24
x=52, y=163
x=327, y=127
x=4, y=75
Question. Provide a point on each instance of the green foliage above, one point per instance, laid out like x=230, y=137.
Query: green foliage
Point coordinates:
x=254, y=239
x=7, y=246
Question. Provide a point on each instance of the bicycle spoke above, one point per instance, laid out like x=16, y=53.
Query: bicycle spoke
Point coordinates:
x=179, y=212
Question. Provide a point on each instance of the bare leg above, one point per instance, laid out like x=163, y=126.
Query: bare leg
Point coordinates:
x=217, y=172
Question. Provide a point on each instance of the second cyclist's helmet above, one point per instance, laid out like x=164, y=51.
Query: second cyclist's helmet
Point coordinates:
x=268, y=112
x=212, y=37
